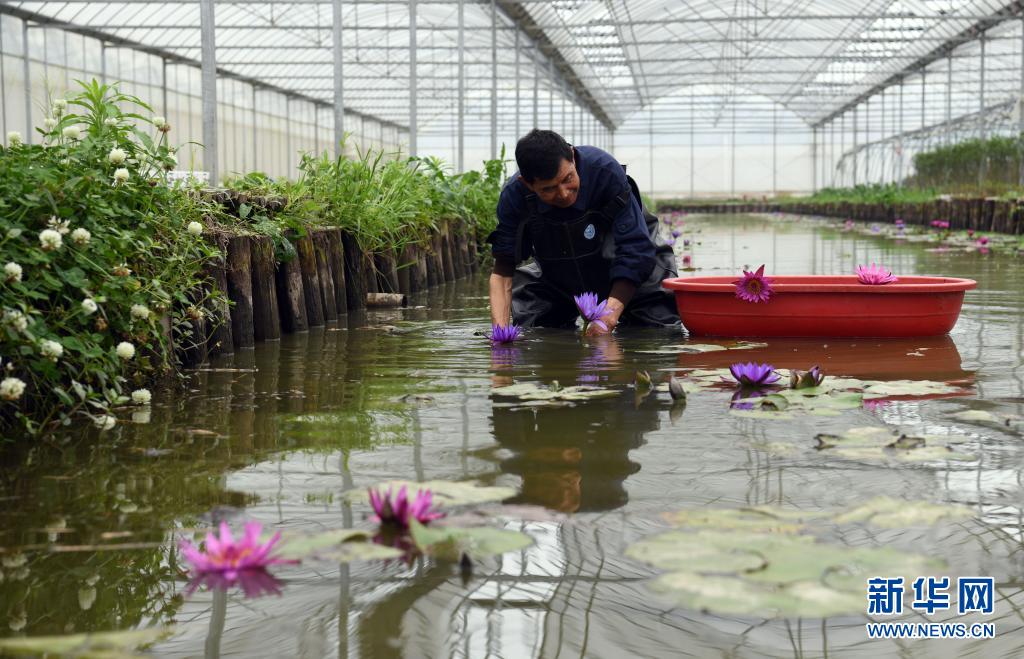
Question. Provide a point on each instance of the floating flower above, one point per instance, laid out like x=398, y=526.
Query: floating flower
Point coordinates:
x=670, y=242
x=398, y=511
x=50, y=240
x=686, y=242
x=874, y=275
x=501, y=334
x=73, y=133
x=12, y=388
x=89, y=306
x=687, y=260
x=142, y=397
x=125, y=350
x=806, y=379
x=120, y=175
x=940, y=224
x=875, y=228
x=14, y=138
x=12, y=271
x=81, y=236
x=751, y=374
x=970, y=233
x=104, y=421
x=848, y=224
x=16, y=319
x=754, y=287
x=195, y=229
x=140, y=312
x=981, y=241
x=51, y=349
x=117, y=156
x=228, y=557
x=676, y=233
x=899, y=222
x=591, y=310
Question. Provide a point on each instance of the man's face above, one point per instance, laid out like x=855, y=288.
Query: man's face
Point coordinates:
x=560, y=191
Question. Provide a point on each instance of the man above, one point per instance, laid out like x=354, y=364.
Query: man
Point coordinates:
x=578, y=215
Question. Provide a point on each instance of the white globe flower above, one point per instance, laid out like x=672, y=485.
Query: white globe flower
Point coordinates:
x=12, y=388
x=60, y=226
x=104, y=422
x=117, y=156
x=120, y=175
x=140, y=312
x=49, y=124
x=16, y=319
x=89, y=306
x=51, y=349
x=14, y=138
x=125, y=350
x=159, y=122
x=13, y=233
x=81, y=236
x=195, y=228
x=141, y=397
x=72, y=132
x=50, y=240
x=13, y=271
x=60, y=104
x=110, y=121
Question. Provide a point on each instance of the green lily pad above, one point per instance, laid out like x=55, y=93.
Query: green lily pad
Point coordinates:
x=907, y=388
x=445, y=493
x=784, y=403
x=892, y=513
x=531, y=391
x=764, y=519
x=681, y=550
x=1006, y=422
x=451, y=543
x=339, y=545
x=974, y=415
x=683, y=348
x=875, y=443
x=107, y=645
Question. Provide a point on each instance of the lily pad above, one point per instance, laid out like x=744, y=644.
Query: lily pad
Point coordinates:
x=103, y=644
x=531, y=391
x=451, y=543
x=446, y=493
x=765, y=519
x=907, y=388
x=683, y=348
x=887, y=512
x=681, y=550
x=883, y=444
x=340, y=545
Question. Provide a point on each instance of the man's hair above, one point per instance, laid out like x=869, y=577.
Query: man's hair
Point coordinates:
x=540, y=153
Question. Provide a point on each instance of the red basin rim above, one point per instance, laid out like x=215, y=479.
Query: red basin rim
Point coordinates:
x=824, y=284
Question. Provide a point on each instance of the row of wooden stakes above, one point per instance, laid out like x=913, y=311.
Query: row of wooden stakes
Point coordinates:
x=331, y=276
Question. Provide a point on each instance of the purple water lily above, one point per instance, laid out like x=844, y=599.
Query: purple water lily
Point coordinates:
x=592, y=310
x=676, y=233
x=806, y=379
x=752, y=374
x=506, y=334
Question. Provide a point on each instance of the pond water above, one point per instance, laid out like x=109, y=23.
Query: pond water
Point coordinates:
x=90, y=519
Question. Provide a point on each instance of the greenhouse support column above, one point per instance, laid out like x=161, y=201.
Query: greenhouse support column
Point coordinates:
x=949, y=99
x=775, y=147
x=814, y=159
x=209, y=87
x=518, y=99
x=461, y=119
x=536, y=93
x=981, y=86
x=899, y=160
x=732, y=152
x=163, y=85
x=413, y=82
x=650, y=151
x=339, y=89
x=881, y=139
x=924, y=78
x=551, y=94
x=842, y=148
x=27, y=82
x=1020, y=120
x=255, y=132
x=867, y=141
x=494, y=79
x=853, y=149
x=692, y=110
x=288, y=136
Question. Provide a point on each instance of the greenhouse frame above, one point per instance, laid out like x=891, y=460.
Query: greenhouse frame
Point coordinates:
x=812, y=95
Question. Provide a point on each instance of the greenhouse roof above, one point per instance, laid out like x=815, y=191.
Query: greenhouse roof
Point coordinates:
x=616, y=56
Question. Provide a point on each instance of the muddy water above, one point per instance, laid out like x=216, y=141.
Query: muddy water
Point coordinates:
x=280, y=433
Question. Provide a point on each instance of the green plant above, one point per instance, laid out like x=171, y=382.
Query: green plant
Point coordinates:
x=100, y=260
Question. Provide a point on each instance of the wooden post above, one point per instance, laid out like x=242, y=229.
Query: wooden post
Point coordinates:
x=220, y=339
x=355, y=275
x=406, y=265
x=387, y=272
x=239, y=276
x=310, y=281
x=265, y=316
x=321, y=246
x=336, y=258
x=291, y=300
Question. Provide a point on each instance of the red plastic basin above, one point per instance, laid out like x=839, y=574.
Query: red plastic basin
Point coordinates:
x=821, y=305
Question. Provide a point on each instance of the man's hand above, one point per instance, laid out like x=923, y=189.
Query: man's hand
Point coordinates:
x=613, y=311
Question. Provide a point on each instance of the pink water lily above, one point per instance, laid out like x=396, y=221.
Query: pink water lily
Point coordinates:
x=228, y=556
x=874, y=275
x=754, y=287
x=397, y=511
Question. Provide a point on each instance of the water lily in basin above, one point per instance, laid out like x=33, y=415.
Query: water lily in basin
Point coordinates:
x=754, y=286
x=875, y=275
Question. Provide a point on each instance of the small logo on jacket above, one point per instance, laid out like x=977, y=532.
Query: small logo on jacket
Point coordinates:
x=589, y=232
